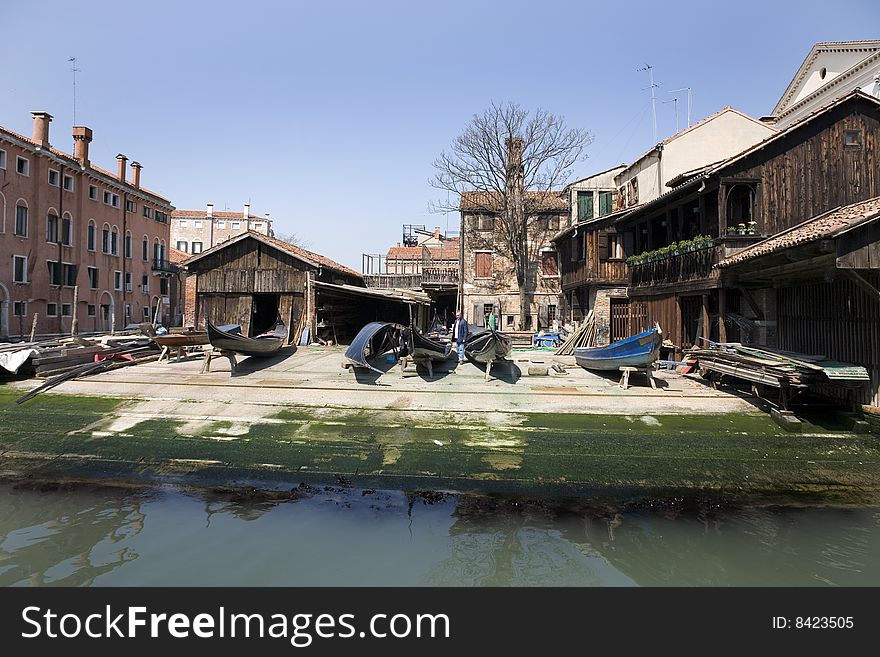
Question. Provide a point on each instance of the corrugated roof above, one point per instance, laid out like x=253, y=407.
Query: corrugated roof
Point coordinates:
x=823, y=226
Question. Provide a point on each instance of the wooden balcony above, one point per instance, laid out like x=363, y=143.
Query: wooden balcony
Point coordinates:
x=431, y=277
x=692, y=267
x=588, y=272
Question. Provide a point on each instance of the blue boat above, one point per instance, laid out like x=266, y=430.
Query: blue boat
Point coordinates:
x=638, y=351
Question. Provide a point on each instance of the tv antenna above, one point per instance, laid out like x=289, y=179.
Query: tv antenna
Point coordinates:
x=674, y=102
x=688, y=89
x=650, y=70
x=74, y=70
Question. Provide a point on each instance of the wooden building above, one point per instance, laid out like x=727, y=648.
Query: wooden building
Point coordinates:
x=595, y=276
x=253, y=279
x=676, y=242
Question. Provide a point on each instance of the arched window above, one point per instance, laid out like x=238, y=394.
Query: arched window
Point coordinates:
x=105, y=238
x=157, y=252
x=92, y=235
x=52, y=233
x=67, y=229
x=114, y=240
x=21, y=218
x=2, y=224
x=145, y=248
x=128, y=244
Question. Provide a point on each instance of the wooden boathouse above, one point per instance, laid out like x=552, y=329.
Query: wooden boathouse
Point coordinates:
x=253, y=279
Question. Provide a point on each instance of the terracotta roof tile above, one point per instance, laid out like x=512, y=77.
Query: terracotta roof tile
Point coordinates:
x=491, y=202
x=177, y=257
x=203, y=214
x=823, y=226
x=448, y=251
x=74, y=163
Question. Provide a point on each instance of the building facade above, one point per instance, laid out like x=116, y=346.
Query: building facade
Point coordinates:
x=489, y=282
x=194, y=231
x=715, y=138
x=79, y=243
x=830, y=70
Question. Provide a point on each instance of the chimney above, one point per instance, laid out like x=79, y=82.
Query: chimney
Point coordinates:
x=247, y=211
x=120, y=169
x=514, y=170
x=210, y=210
x=437, y=232
x=136, y=174
x=82, y=137
x=41, y=128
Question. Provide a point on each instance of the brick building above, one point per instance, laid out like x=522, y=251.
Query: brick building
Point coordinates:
x=194, y=231
x=78, y=242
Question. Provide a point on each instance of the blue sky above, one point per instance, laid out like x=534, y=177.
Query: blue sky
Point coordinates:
x=329, y=114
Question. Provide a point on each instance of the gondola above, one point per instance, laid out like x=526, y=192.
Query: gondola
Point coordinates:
x=373, y=340
x=487, y=346
x=422, y=347
x=637, y=351
x=265, y=344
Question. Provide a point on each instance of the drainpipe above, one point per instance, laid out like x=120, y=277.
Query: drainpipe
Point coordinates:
x=659, y=148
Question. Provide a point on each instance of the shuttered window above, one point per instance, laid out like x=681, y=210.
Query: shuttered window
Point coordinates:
x=606, y=205
x=585, y=206
x=483, y=265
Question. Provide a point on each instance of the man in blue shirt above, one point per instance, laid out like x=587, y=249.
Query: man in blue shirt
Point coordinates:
x=459, y=334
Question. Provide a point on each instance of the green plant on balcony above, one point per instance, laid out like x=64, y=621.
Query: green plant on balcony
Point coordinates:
x=670, y=250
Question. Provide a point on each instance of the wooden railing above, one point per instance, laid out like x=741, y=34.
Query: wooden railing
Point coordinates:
x=584, y=271
x=430, y=276
x=676, y=269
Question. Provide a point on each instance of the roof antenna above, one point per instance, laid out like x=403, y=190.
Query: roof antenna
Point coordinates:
x=688, y=89
x=674, y=102
x=650, y=70
x=74, y=70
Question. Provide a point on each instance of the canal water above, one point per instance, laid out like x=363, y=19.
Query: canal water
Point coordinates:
x=89, y=536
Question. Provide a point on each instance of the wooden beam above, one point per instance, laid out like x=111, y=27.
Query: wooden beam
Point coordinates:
x=753, y=304
x=705, y=314
x=863, y=283
x=722, y=314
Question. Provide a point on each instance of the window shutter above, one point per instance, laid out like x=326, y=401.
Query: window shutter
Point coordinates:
x=585, y=205
x=478, y=315
x=603, y=245
x=605, y=203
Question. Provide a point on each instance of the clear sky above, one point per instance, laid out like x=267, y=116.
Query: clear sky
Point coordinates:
x=329, y=114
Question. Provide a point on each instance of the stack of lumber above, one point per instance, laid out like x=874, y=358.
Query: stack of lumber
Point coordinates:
x=773, y=368
x=51, y=357
x=584, y=336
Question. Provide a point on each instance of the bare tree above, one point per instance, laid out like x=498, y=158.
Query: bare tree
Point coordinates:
x=292, y=238
x=508, y=162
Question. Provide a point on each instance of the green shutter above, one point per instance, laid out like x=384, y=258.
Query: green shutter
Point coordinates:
x=585, y=206
x=604, y=203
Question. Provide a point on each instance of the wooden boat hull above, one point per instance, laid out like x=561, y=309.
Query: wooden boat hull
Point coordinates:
x=422, y=347
x=263, y=345
x=176, y=340
x=637, y=351
x=372, y=340
x=486, y=346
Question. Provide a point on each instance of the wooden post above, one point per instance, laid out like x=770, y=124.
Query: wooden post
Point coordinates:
x=156, y=312
x=722, y=314
x=705, y=314
x=34, y=326
x=113, y=319
x=74, y=325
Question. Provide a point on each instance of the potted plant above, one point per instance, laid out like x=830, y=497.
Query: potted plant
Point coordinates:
x=752, y=228
x=741, y=229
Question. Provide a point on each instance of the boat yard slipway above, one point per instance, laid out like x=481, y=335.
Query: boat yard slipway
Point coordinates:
x=541, y=426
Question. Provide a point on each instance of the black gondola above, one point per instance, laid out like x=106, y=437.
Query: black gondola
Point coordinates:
x=373, y=340
x=487, y=346
x=422, y=347
x=265, y=344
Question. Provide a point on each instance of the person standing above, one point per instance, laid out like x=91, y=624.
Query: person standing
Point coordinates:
x=492, y=321
x=459, y=334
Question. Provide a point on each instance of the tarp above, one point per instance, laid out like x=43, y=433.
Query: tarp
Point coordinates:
x=11, y=361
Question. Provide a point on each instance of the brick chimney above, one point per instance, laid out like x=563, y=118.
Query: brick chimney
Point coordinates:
x=437, y=232
x=514, y=173
x=120, y=169
x=41, y=128
x=82, y=137
x=136, y=174
x=210, y=210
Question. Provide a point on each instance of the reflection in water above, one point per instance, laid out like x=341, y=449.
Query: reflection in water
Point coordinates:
x=71, y=541
x=342, y=536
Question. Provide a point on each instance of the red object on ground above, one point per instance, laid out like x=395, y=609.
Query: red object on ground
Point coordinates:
x=100, y=358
